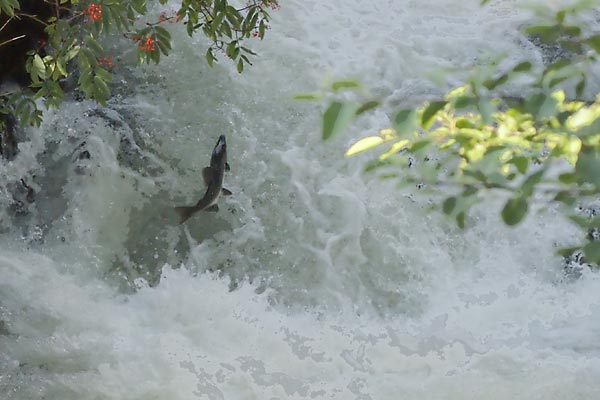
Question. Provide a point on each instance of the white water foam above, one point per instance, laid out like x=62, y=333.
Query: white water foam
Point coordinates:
x=344, y=287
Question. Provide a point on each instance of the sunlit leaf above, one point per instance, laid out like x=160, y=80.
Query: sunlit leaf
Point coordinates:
x=364, y=144
x=394, y=149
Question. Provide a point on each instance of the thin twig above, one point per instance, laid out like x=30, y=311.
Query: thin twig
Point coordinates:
x=5, y=94
x=6, y=23
x=33, y=17
x=12, y=40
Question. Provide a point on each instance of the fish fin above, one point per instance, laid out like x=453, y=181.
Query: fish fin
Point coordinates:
x=213, y=208
x=184, y=213
x=227, y=167
x=207, y=175
x=226, y=192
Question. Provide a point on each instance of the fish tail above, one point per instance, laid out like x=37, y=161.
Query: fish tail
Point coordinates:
x=184, y=213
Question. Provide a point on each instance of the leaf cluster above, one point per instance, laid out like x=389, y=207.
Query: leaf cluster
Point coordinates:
x=474, y=140
x=74, y=44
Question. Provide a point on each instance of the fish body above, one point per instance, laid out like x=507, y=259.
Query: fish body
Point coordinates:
x=213, y=178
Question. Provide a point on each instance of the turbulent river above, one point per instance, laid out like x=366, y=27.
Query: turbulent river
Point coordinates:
x=314, y=281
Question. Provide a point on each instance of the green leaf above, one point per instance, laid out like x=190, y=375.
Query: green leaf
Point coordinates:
x=514, y=210
x=558, y=80
x=573, y=46
x=522, y=67
x=336, y=118
x=579, y=88
x=486, y=108
x=562, y=63
x=565, y=197
x=226, y=30
x=594, y=42
x=210, y=58
x=93, y=45
x=61, y=66
x=231, y=49
x=240, y=66
x=430, y=113
x=101, y=87
x=38, y=69
x=491, y=84
x=529, y=185
x=592, y=252
x=582, y=222
x=547, y=33
x=162, y=33
x=521, y=163
x=460, y=219
x=572, y=30
x=247, y=50
x=588, y=167
x=567, y=251
x=464, y=102
x=567, y=178
x=541, y=105
x=419, y=145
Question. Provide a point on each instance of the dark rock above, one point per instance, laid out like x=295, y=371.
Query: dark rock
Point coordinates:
x=8, y=139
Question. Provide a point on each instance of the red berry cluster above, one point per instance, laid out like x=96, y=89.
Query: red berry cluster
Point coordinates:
x=169, y=16
x=106, y=62
x=94, y=11
x=274, y=4
x=146, y=43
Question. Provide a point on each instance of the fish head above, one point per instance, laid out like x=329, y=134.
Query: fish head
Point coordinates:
x=219, y=154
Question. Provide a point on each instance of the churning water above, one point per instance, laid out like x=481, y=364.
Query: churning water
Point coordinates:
x=314, y=281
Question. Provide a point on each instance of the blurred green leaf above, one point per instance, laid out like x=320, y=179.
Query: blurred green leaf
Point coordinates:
x=449, y=205
x=336, y=86
x=369, y=105
x=430, y=112
x=588, y=168
x=514, y=210
x=405, y=121
x=337, y=116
